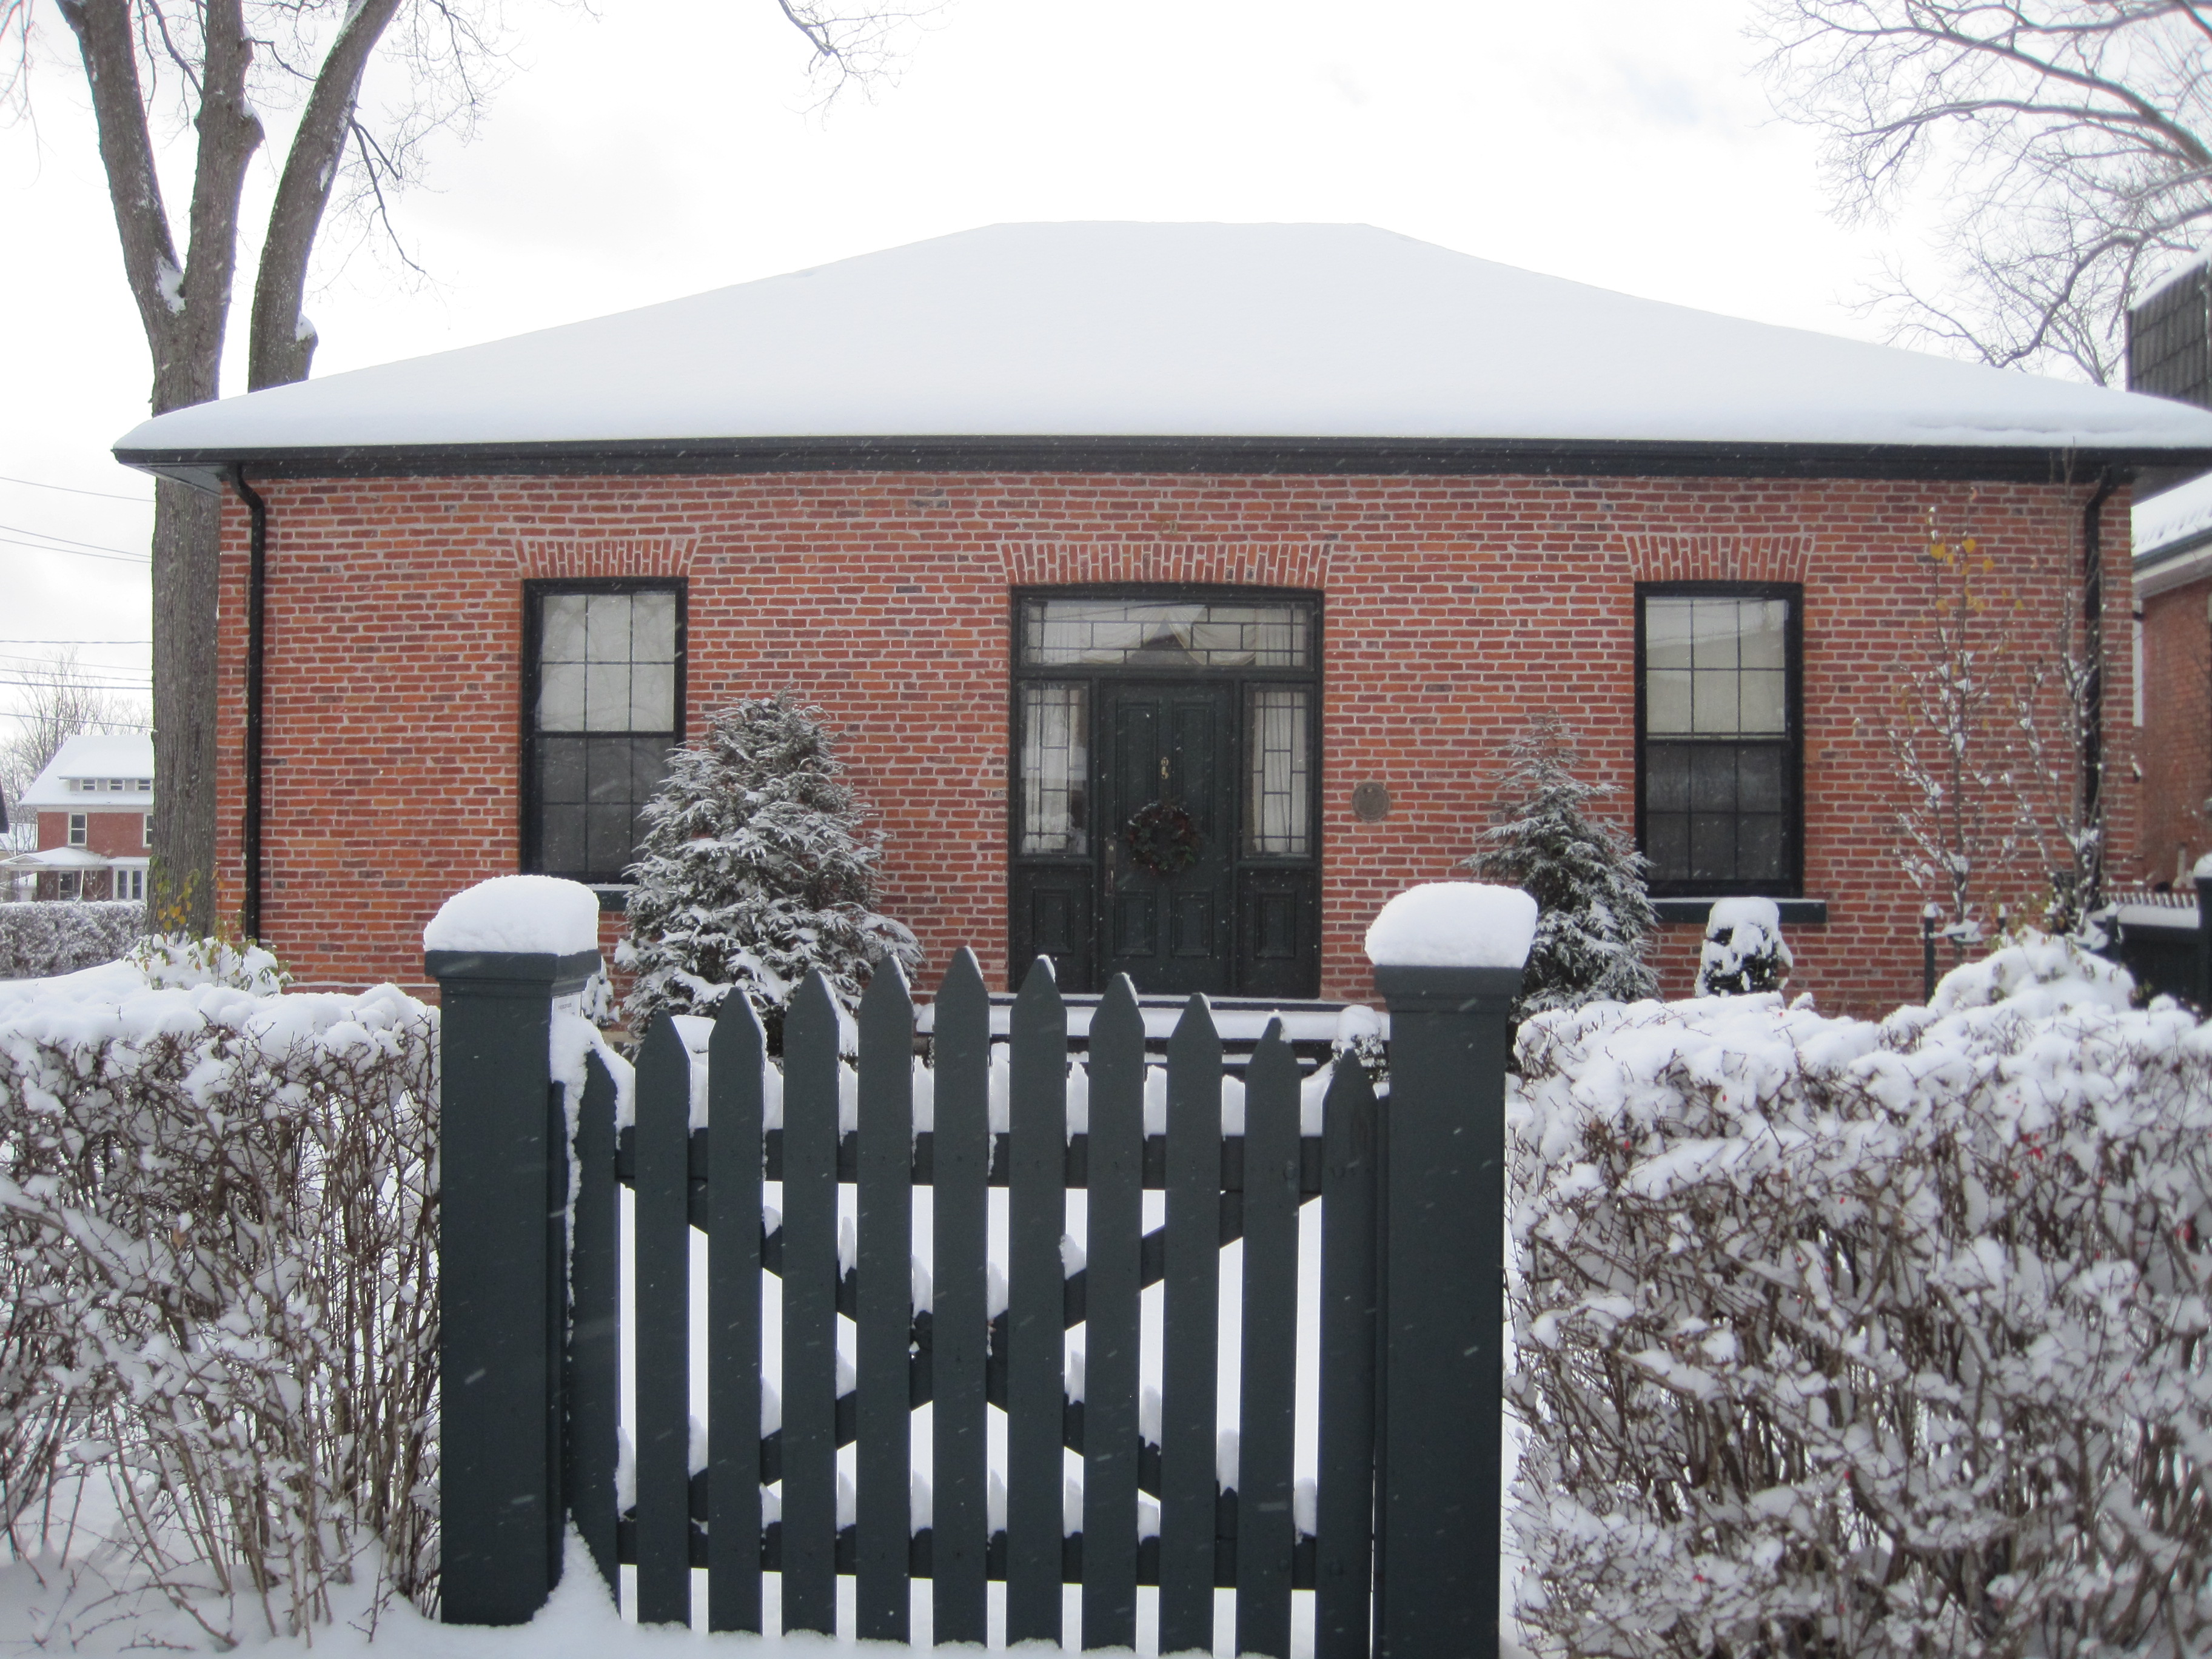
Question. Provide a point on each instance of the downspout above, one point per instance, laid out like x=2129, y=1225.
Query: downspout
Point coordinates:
x=257, y=593
x=2092, y=688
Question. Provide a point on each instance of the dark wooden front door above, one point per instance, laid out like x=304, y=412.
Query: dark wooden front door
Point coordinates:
x=1170, y=886
x=1195, y=714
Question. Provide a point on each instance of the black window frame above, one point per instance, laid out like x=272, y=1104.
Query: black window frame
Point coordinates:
x=535, y=591
x=1791, y=883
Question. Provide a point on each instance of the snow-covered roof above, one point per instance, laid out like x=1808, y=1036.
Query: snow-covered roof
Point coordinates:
x=94, y=774
x=2173, y=537
x=1195, y=334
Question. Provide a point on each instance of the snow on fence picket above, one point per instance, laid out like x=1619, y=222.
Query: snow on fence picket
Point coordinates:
x=217, y=1300
x=39, y=939
x=1869, y=1339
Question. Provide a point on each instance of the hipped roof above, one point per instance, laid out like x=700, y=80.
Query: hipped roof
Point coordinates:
x=1290, y=347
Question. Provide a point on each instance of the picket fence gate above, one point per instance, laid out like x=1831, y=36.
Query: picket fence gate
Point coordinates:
x=531, y=1288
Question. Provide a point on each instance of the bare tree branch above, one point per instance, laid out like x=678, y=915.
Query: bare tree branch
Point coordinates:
x=2068, y=141
x=221, y=57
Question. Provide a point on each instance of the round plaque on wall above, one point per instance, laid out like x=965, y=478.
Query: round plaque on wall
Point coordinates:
x=1370, y=803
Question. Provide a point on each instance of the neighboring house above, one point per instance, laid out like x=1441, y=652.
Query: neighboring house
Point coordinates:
x=2170, y=354
x=1265, y=540
x=94, y=803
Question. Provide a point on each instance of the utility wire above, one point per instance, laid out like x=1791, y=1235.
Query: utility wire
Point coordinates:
x=30, y=640
x=81, y=553
x=69, y=541
x=67, y=489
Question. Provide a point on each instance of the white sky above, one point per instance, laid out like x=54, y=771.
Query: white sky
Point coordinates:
x=660, y=149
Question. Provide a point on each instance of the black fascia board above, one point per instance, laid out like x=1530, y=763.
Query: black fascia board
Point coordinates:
x=1350, y=457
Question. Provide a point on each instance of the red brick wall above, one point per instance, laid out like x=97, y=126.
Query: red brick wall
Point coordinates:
x=1456, y=608
x=110, y=833
x=2177, y=731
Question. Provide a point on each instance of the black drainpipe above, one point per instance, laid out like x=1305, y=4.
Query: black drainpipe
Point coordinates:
x=2093, y=711
x=257, y=595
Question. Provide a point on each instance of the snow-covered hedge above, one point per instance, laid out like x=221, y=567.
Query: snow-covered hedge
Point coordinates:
x=1861, y=1339
x=60, y=938
x=217, y=1225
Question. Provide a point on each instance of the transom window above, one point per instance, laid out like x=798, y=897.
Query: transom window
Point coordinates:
x=1718, y=788
x=603, y=703
x=1113, y=633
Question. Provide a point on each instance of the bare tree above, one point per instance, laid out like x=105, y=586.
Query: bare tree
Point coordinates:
x=57, y=703
x=209, y=65
x=2069, y=143
x=1986, y=735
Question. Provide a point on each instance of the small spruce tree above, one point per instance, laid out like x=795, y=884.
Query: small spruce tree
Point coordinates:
x=1592, y=911
x=755, y=869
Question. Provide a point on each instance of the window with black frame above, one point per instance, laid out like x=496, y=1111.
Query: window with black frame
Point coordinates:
x=603, y=700
x=1718, y=755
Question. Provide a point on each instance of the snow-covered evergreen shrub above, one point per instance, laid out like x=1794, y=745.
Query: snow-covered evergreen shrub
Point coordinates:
x=756, y=868
x=1586, y=879
x=218, y=1220
x=61, y=936
x=1840, y=1338
x=1744, y=952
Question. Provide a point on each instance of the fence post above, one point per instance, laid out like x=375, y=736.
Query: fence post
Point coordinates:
x=503, y=1171
x=2203, y=936
x=1443, y=1301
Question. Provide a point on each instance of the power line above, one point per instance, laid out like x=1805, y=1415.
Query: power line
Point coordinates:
x=81, y=553
x=70, y=541
x=79, y=685
x=67, y=489
x=29, y=639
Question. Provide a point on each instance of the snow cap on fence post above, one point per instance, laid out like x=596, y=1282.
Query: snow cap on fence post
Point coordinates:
x=501, y=952
x=1448, y=959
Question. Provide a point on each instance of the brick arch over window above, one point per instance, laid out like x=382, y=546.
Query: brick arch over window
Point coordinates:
x=1228, y=564
x=1662, y=558
x=557, y=560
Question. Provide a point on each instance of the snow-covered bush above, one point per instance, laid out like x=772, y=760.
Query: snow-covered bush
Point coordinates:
x=1855, y=1339
x=1586, y=879
x=755, y=868
x=217, y=1235
x=1744, y=952
x=60, y=937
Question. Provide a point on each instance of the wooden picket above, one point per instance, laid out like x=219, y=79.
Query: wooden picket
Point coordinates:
x=950, y=1352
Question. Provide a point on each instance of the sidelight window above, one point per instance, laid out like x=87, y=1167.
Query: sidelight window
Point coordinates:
x=1055, y=769
x=1279, y=814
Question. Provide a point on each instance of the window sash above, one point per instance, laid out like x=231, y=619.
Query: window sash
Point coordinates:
x=605, y=709
x=1718, y=759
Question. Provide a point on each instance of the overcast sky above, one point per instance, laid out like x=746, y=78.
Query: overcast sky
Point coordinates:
x=658, y=150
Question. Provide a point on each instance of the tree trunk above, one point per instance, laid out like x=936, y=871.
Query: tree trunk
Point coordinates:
x=180, y=891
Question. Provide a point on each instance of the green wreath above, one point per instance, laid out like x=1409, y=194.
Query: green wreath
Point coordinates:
x=1162, y=838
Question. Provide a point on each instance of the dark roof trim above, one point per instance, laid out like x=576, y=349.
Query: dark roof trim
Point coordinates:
x=205, y=468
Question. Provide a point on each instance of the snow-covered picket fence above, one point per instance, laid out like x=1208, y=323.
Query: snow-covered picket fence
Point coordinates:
x=1867, y=1338
x=39, y=939
x=217, y=1309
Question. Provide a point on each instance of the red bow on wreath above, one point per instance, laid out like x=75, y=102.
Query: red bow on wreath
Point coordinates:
x=1162, y=838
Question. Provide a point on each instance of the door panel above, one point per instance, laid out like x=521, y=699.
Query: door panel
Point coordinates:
x=1170, y=743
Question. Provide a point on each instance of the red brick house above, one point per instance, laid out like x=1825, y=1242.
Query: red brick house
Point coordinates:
x=1288, y=528
x=94, y=805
